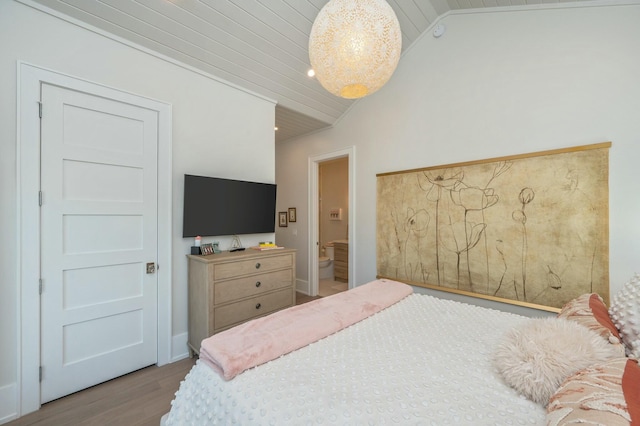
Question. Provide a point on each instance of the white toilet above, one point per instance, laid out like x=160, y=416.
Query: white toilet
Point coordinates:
x=326, y=263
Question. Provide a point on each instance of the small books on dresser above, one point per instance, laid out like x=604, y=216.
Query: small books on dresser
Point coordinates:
x=271, y=247
x=266, y=245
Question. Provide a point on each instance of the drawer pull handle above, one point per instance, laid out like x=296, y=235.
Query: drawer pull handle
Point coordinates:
x=258, y=265
x=258, y=284
x=258, y=305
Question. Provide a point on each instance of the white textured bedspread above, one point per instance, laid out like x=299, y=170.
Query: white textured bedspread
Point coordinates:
x=422, y=361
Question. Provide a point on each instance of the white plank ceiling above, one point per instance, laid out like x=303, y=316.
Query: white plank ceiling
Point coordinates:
x=260, y=45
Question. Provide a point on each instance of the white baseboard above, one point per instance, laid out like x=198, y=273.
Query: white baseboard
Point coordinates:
x=179, y=348
x=302, y=286
x=8, y=403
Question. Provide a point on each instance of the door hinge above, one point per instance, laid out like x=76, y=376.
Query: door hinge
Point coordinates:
x=40, y=286
x=40, y=109
x=40, y=198
x=40, y=373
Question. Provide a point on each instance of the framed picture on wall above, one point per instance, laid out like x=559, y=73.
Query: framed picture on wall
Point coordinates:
x=555, y=262
x=282, y=219
x=292, y=214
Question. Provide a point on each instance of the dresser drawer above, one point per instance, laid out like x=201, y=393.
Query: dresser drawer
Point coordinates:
x=250, y=308
x=250, y=266
x=341, y=251
x=340, y=272
x=253, y=285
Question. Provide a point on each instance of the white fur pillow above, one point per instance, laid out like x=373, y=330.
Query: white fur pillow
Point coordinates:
x=625, y=314
x=538, y=356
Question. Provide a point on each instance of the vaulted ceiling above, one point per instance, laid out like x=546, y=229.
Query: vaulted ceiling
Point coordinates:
x=260, y=45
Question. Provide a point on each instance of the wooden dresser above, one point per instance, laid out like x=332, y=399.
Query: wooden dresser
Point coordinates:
x=227, y=289
x=341, y=261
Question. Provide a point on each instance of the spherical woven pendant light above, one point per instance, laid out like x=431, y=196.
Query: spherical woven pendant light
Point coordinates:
x=354, y=46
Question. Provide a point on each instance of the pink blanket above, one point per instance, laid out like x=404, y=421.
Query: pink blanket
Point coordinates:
x=231, y=352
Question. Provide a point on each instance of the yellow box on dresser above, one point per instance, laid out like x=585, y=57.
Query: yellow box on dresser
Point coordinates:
x=227, y=289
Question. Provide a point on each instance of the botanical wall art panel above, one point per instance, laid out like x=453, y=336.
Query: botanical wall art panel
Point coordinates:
x=530, y=229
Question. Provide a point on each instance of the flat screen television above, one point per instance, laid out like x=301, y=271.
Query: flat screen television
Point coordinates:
x=215, y=207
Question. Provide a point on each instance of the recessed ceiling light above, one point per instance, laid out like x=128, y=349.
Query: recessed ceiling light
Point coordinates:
x=275, y=128
x=311, y=72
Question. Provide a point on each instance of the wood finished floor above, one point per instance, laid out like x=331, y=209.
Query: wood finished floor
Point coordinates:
x=140, y=398
x=328, y=287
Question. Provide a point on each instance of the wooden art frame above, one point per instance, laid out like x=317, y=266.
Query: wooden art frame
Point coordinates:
x=530, y=229
x=292, y=214
x=282, y=219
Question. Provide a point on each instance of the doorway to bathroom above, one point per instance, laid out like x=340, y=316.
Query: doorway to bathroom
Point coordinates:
x=333, y=226
x=331, y=211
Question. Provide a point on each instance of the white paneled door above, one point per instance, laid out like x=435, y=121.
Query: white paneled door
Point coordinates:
x=98, y=239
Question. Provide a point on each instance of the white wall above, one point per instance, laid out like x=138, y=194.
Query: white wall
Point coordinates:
x=218, y=130
x=495, y=84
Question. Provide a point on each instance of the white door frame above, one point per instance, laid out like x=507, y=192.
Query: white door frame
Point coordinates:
x=30, y=78
x=314, y=220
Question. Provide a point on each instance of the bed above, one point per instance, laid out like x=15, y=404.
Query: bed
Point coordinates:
x=415, y=360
